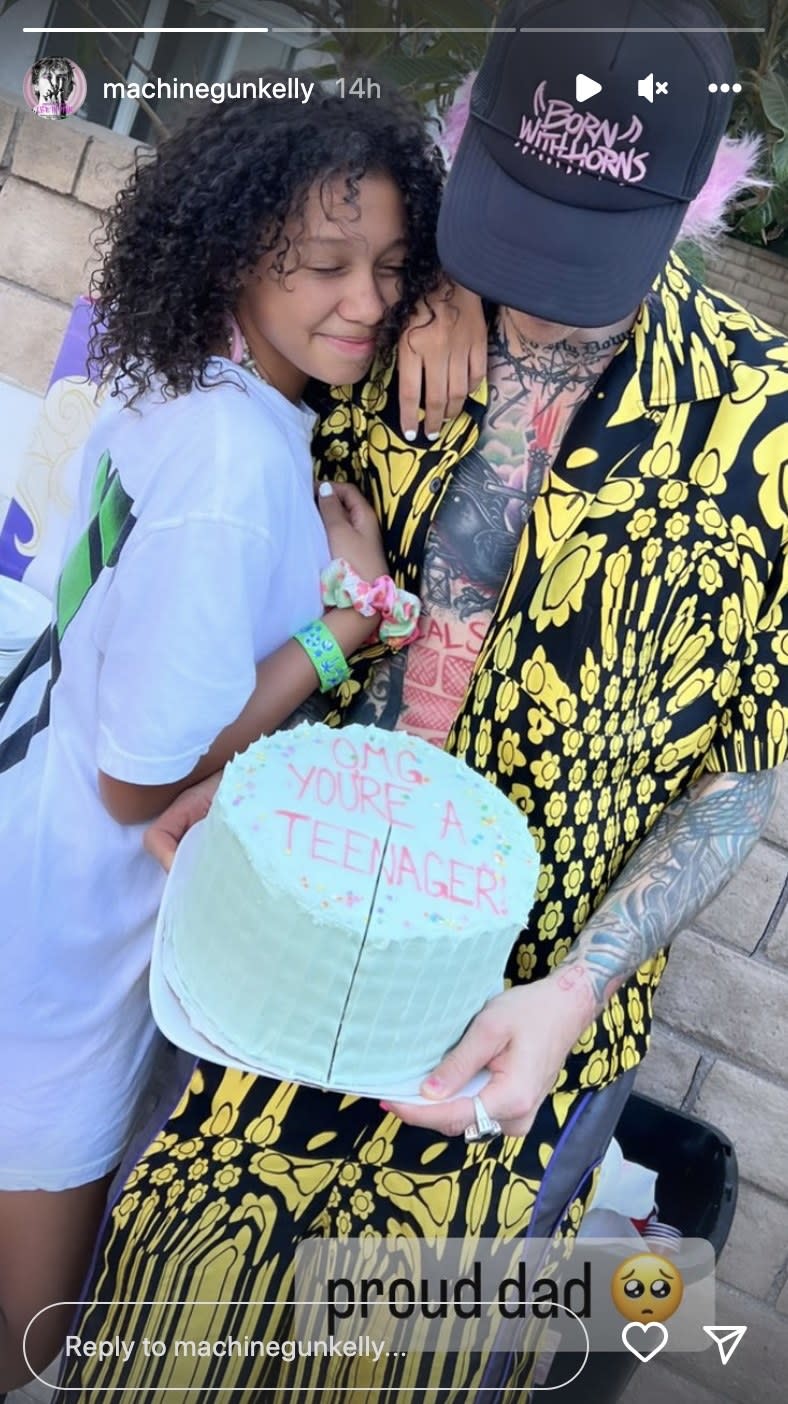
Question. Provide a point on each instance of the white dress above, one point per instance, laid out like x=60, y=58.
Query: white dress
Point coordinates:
x=196, y=550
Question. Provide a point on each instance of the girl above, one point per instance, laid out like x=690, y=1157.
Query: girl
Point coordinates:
x=267, y=244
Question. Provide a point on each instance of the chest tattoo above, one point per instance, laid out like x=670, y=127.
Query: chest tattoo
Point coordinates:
x=535, y=391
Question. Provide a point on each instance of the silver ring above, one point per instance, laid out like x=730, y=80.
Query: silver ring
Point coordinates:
x=484, y=1128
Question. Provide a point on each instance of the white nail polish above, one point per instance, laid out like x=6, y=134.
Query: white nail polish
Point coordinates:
x=410, y=435
x=326, y=490
x=433, y=437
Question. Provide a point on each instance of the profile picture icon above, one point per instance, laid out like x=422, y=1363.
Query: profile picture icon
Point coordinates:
x=55, y=88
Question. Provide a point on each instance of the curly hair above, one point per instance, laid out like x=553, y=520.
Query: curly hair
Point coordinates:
x=213, y=199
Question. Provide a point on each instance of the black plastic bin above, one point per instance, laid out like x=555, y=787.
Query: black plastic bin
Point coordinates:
x=696, y=1192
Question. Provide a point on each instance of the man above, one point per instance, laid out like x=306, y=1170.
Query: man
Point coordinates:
x=52, y=81
x=601, y=529
x=598, y=544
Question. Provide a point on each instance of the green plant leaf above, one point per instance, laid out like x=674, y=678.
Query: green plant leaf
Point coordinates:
x=780, y=162
x=692, y=255
x=745, y=12
x=753, y=224
x=422, y=73
x=774, y=96
x=459, y=14
x=326, y=73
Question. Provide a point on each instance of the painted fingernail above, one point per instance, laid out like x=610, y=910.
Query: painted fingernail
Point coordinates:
x=384, y=1106
x=326, y=490
x=434, y=1084
x=410, y=435
x=433, y=437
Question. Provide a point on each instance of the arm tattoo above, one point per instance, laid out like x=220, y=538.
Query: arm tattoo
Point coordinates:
x=692, y=852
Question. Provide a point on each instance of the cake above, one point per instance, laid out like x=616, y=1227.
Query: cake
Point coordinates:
x=352, y=901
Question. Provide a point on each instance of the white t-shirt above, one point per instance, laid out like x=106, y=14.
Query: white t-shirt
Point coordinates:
x=196, y=551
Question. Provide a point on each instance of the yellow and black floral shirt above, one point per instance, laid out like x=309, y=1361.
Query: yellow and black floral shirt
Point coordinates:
x=641, y=638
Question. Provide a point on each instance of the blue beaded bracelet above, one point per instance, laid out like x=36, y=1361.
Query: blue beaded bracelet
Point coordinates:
x=324, y=654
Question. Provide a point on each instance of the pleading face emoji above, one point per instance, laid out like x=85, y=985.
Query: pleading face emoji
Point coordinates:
x=647, y=1287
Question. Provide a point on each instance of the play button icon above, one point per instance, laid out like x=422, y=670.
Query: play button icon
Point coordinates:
x=586, y=88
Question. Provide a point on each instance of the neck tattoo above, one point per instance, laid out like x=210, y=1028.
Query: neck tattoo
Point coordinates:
x=565, y=351
x=541, y=375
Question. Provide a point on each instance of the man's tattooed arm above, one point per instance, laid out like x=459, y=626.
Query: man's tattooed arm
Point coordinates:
x=693, y=851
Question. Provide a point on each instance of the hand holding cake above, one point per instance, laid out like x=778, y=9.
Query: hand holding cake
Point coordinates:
x=191, y=807
x=522, y=1037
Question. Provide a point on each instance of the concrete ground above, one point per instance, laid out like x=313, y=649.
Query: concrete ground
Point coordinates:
x=35, y=1392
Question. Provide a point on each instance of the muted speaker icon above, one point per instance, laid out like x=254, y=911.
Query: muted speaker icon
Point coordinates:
x=646, y=88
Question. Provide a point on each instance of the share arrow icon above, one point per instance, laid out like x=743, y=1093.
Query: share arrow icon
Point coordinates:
x=726, y=1339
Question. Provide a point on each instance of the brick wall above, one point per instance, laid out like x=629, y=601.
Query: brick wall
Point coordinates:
x=755, y=277
x=720, y=1045
x=719, y=1051
x=55, y=177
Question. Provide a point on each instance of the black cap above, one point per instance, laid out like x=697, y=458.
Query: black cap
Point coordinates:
x=568, y=209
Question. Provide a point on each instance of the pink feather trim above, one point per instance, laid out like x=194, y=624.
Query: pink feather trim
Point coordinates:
x=455, y=117
x=735, y=169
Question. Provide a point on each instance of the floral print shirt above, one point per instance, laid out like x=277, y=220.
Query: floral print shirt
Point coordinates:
x=641, y=637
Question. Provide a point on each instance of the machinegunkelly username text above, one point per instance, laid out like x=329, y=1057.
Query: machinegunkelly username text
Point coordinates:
x=292, y=89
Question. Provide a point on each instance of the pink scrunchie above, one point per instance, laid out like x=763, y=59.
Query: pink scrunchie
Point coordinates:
x=399, y=610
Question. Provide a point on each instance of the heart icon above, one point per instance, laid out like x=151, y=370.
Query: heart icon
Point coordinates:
x=634, y=1326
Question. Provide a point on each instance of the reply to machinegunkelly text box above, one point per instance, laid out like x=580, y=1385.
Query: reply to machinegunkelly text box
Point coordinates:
x=224, y=1348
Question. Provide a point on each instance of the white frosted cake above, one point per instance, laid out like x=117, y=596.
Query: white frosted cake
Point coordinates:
x=353, y=900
